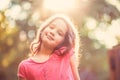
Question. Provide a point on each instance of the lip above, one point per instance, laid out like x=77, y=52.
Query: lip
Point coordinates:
x=50, y=37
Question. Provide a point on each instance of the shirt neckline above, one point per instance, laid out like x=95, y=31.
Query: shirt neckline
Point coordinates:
x=41, y=62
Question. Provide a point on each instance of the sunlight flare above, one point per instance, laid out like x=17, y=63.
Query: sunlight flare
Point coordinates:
x=59, y=5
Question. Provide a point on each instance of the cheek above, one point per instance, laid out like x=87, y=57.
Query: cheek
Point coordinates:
x=43, y=33
x=59, y=40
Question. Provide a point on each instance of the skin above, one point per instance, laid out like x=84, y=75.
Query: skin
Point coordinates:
x=52, y=36
x=74, y=67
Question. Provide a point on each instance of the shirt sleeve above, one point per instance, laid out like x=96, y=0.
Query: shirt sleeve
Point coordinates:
x=21, y=70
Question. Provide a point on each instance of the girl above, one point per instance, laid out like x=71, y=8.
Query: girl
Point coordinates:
x=53, y=52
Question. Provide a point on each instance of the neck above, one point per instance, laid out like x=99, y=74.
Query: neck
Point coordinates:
x=45, y=50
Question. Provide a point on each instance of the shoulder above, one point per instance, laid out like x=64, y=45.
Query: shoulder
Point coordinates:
x=22, y=68
x=24, y=62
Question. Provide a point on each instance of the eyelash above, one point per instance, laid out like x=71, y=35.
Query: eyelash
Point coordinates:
x=60, y=34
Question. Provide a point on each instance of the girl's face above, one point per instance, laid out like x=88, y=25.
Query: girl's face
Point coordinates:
x=54, y=33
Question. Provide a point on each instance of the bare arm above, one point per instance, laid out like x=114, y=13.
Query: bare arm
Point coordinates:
x=74, y=66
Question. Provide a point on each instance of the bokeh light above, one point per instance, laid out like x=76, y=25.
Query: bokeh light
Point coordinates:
x=60, y=5
x=91, y=23
x=26, y=5
x=23, y=36
x=115, y=3
x=106, y=34
x=14, y=12
x=4, y=4
x=31, y=34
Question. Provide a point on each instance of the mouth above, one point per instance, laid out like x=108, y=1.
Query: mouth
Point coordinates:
x=50, y=37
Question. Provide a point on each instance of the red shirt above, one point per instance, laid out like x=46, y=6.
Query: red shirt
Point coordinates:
x=55, y=68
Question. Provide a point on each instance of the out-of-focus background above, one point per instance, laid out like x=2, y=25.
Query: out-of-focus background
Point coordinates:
x=98, y=23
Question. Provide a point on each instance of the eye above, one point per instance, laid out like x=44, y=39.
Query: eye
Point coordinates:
x=60, y=33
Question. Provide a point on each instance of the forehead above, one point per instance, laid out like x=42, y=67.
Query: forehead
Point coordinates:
x=60, y=23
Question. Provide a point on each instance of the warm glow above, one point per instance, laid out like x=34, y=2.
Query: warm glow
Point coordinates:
x=91, y=23
x=14, y=12
x=106, y=34
x=115, y=28
x=23, y=36
x=115, y=3
x=4, y=4
x=60, y=5
x=104, y=37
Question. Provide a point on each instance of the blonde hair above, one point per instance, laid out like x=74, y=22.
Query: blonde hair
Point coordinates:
x=72, y=34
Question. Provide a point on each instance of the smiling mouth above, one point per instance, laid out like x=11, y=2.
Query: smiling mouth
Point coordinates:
x=49, y=37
